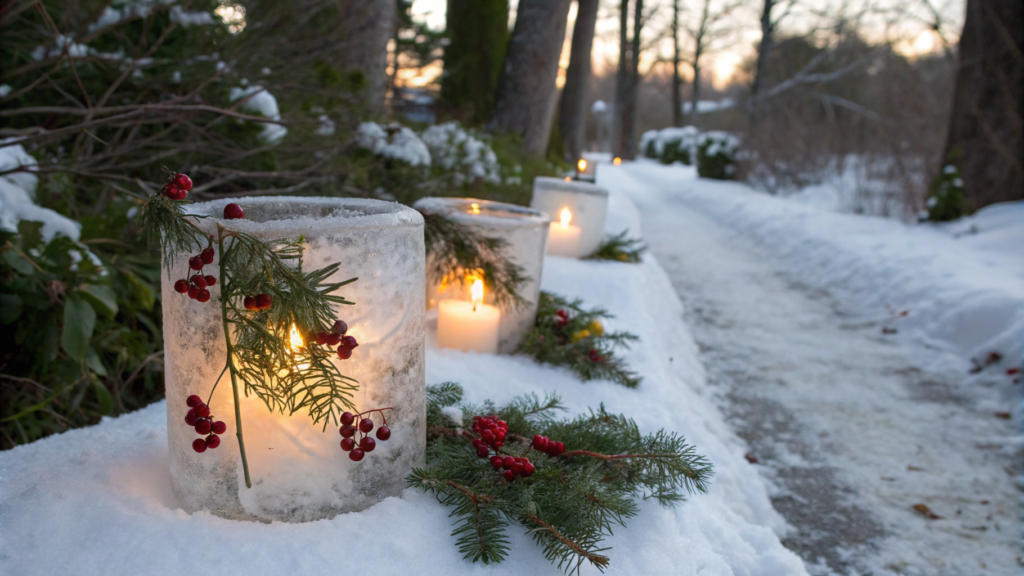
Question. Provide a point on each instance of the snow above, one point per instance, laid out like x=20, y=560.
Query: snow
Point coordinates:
x=393, y=141
x=99, y=500
x=852, y=426
x=705, y=106
x=5, y=89
x=17, y=194
x=456, y=148
x=718, y=142
x=190, y=18
x=598, y=107
x=127, y=9
x=262, y=102
x=685, y=137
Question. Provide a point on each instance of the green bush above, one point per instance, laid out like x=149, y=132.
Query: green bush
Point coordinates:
x=716, y=155
x=946, y=200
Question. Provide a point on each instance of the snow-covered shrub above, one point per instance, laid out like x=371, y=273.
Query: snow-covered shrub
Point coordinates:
x=649, y=144
x=393, y=141
x=946, y=201
x=716, y=155
x=677, y=144
x=259, y=100
x=462, y=153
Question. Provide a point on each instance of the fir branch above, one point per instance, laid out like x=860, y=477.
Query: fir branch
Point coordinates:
x=620, y=249
x=572, y=501
x=456, y=251
x=578, y=341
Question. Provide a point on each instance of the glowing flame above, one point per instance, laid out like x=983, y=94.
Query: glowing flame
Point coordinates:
x=617, y=161
x=581, y=165
x=567, y=179
x=475, y=208
x=477, y=292
x=566, y=216
x=295, y=339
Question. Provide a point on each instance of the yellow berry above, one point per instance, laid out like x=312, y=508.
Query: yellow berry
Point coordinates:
x=577, y=336
x=596, y=328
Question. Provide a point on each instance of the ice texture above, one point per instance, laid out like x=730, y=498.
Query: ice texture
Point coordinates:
x=526, y=232
x=299, y=472
x=587, y=202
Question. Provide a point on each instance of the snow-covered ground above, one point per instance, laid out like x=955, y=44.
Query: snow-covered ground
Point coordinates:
x=98, y=500
x=853, y=426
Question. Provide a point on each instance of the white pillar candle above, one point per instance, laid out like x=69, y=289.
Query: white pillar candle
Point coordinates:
x=563, y=237
x=587, y=202
x=468, y=326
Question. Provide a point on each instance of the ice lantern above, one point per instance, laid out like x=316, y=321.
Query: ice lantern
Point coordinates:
x=526, y=232
x=587, y=204
x=299, y=472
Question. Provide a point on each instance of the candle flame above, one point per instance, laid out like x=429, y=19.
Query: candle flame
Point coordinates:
x=477, y=291
x=617, y=161
x=475, y=208
x=582, y=165
x=566, y=216
x=295, y=339
x=567, y=179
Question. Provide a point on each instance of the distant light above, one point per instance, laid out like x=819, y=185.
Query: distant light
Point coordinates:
x=581, y=165
x=617, y=161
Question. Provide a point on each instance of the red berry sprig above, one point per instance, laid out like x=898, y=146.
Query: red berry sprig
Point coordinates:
x=196, y=285
x=336, y=337
x=594, y=356
x=545, y=445
x=492, y=433
x=561, y=318
x=258, y=302
x=355, y=439
x=199, y=417
x=177, y=187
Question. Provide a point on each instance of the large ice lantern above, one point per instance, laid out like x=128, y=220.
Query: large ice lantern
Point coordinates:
x=524, y=230
x=587, y=207
x=299, y=472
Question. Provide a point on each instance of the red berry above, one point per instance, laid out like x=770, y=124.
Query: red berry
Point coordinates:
x=263, y=301
x=193, y=292
x=172, y=191
x=561, y=313
x=332, y=339
x=180, y=195
x=193, y=401
x=191, y=418
x=347, y=418
x=212, y=441
x=340, y=327
x=482, y=451
x=195, y=263
x=199, y=445
x=496, y=462
x=206, y=255
x=355, y=455
x=507, y=462
x=517, y=469
x=347, y=431
x=559, y=448
x=487, y=436
x=527, y=469
x=199, y=281
x=219, y=427
x=367, y=444
x=344, y=353
x=233, y=212
x=348, y=444
x=202, y=410
x=366, y=425
x=383, y=433
x=349, y=342
x=508, y=475
x=210, y=280
x=181, y=286
x=203, y=296
x=203, y=426
x=249, y=302
x=181, y=182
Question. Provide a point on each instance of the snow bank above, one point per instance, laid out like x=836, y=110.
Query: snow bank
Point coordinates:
x=17, y=194
x=964, y=294
x=98, y=500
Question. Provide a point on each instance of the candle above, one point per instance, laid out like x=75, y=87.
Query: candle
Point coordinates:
x=617, y=161
x=469, y=326
x=564, y=238
x=581, y=167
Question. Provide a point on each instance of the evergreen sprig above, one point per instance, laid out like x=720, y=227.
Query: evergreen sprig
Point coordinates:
x=572, y=501
x=620, y=249
x=260, y=354
x=578, y=341
x=455, y=251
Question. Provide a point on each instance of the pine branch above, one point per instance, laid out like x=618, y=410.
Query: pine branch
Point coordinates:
x=456, y=251
x=578, y=341
x=620, y=249
x=571, y=501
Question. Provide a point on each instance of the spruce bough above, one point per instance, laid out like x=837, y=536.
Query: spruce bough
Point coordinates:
x=570, y=502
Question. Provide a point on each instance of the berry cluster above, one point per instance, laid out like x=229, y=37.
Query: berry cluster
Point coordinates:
x=257, y=302
x=199, y=416
x=336, y=337
x=196, y=286
x=514, y=467
x=594, y=356
x=492, y=434
x=177, y=187
x=561, y=318
x=545, y=445
x=356, y=439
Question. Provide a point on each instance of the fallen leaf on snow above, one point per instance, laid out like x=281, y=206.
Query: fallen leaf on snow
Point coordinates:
x=1003, y=415
x=927, y=512
x=915, y=469
x=750, y=457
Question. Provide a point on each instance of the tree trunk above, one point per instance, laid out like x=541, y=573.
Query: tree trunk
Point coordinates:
x=525, y=103
x=764, y=48
x=369, y=26
x=572, y=110
x=627, y=135
x=621, y=76
x=677, y=82
x=696, y=85
x=477, y=32
x=986, y=131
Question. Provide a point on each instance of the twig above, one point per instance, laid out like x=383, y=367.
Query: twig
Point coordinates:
x=595, y=559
